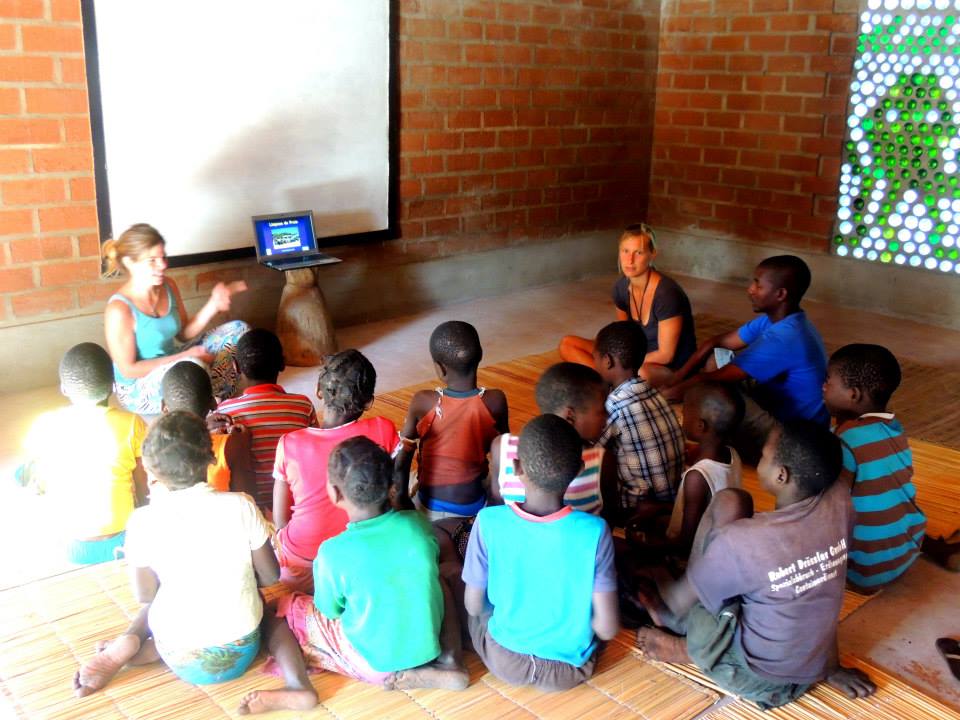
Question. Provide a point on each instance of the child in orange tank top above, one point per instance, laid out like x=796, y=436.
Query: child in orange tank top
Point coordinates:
x=186, y=386
x=453, y=427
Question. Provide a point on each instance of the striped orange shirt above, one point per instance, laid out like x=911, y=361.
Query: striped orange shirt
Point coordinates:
x=268, y=412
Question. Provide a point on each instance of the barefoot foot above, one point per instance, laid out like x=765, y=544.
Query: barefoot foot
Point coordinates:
x=261, y=701
x=649, y=597
x=658, y=645
x=432, y=675
x=98, y=670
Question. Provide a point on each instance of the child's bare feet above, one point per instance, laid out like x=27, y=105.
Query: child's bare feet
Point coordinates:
x=94, y=674
x=261, y=701
x=658, y=645
x=649, y=597
x=436, y=675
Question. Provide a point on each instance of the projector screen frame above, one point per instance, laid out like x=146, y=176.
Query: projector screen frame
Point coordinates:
x=104, y=220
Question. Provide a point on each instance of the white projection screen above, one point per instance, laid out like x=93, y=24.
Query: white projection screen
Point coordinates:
x=218, y=110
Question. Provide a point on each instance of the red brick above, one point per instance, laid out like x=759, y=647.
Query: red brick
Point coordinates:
x=442, y=52
x=96, y=292
x=735, y=138
x=410, y=189
x=761, y=121
x=52, y=38
x=484, y=139
x=745, y=63
x=56, y=248
x=441, y=185
x=485, y=9
x=766, y=43
x=461, y=162
x=757, y=158
x=498, y=118
x=26, y=68
x=411, y=141
x=76, y=129
x=65, y=10
x=39, y=191
x=799, y=124
x=727, y=43
x=16, y=222
x=68, y=217
x=29, y=131
x=480, y=97
x=719, y=156
x=837, y=23
x=766, y=6
x=42, y=302
x=481, y=53
x=88, y=245
x=444, y=141
x=16, y=279
x=25, y=251
x=830, y=64
x=743, y=101
x=49, y=101
x=787, y=63
x=21, y=9
x=463, y=119
x=798, y=163
x=515, y=12
x=809, y=43
x=533, y=34
x=465, y=75
x=782, y=103
x=421, y=164
x=464, y=30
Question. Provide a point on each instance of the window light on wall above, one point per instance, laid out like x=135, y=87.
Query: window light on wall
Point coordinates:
x=899, y=198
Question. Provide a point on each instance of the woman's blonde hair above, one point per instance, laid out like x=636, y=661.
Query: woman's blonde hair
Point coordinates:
x=637, y=230
x=133, y=243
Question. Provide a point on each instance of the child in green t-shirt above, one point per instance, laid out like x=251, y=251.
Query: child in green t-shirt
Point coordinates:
x=379, y=603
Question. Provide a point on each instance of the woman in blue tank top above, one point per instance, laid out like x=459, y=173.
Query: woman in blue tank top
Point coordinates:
x=148, y=329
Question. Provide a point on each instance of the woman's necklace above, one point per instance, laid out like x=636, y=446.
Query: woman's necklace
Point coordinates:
x=643, y=294
x=154, y=299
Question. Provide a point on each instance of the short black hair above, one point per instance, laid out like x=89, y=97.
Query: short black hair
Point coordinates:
x=567, y=384
x=86, y=373
x=550, y=452
x=790, y=273
x=346, y=383
x=811, y=453
x=456, y=345
x=721, y=405
x=625, y=342
x=870, y=368
x=177, y=450
x=260, y=355
x=186, y=386
x=362, y=470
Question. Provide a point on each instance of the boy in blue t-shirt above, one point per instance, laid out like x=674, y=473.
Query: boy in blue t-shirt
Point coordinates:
x=540, y=580
x=779, y=356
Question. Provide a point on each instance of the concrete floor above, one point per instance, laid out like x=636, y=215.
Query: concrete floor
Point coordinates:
x=895, y=630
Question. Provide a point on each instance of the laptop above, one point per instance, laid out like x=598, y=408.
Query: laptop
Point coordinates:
x=287, y=241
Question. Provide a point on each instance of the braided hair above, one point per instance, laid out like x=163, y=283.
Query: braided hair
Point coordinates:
x=346, y=383
x=362, y=470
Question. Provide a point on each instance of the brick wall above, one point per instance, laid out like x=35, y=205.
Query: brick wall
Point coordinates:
x=521, y=121
x=750, y=117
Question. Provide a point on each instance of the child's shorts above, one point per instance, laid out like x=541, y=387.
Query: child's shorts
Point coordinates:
x=90, y=552
x=710, y=644
x=519, y=669
x=212, y=664
x=323, y=643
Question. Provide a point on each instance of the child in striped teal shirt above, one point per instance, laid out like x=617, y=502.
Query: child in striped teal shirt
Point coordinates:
x=889, y=528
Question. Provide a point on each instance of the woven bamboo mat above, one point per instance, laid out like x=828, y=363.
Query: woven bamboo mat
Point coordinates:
x=49, y=626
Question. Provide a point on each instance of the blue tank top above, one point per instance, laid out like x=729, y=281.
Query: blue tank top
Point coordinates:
x=155, y=336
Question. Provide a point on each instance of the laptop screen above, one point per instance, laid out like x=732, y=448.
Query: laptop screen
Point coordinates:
x=284, y=235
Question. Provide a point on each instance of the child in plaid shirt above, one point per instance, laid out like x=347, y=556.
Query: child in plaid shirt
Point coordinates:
x=641, y=430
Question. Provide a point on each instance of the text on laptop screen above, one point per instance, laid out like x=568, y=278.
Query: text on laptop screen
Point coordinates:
x=279, y=236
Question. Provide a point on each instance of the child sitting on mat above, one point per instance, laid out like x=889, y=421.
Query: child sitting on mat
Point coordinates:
x=759, y=603
x=540, y=580
x=641, y=429
x=264, y=407
x=575, y=393
x=454, y=426
x=302, y=509
x=196, y=556
x=85, y=458
x=377, y=612
x=711, y=414
x=186, y=386
x=877, y=465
